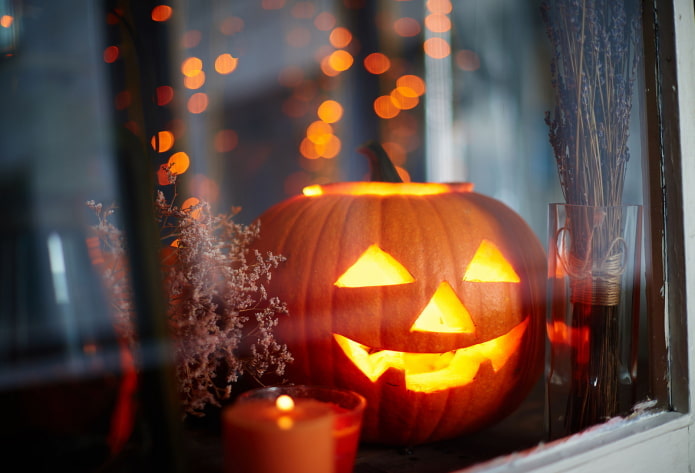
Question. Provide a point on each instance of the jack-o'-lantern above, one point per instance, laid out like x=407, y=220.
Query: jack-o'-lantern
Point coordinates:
x=428, y=299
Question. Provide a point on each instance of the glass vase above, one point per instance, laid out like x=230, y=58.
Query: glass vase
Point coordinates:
x=594, y=260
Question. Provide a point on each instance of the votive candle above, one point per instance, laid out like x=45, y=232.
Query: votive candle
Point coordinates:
x=262, y=435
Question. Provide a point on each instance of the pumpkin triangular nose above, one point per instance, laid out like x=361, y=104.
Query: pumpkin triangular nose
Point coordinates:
x=444, y=313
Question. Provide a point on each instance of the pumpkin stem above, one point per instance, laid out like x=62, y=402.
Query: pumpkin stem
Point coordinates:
x=382, y=169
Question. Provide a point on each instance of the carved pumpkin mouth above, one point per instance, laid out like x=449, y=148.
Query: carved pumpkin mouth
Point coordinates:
x=430, y=372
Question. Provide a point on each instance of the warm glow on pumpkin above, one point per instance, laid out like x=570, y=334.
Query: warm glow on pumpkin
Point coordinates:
x=489, y=265
x=386, y=188
x=444, y=314
x=374, y=268
x=430, y=372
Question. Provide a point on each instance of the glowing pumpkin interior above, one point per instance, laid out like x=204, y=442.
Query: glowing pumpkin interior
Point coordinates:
x=444, y=313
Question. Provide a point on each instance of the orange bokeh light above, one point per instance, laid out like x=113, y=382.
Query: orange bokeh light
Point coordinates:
x=405, y=98
x=377, y=63
x=198, y=102
x=406, y=27
x=161, y=13
x=330, y=111
x=330, y=148
x=308, y=149
x=385, y=107
x=226, y=63
x=319, y=132
x=439, y=6
x=340, y=37
x=326, y=67
x=195, y=81
x=438, y=22
x=163, y=141
x=191, y=66
x=340, y=60
x=413, y=82
x=6, y=21
x=178, y=163
x=192, y=205
x=437, y=48
x=205, y=188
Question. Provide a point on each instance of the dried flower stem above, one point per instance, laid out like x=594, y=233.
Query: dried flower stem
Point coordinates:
x=593, y=69
x=220, y=316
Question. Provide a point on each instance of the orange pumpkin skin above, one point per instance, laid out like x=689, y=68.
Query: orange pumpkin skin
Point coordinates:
x=435, y=236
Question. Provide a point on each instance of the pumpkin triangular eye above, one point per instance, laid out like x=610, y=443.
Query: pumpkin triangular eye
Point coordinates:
x=444, y=314
x=489, y=265
x=375, y=267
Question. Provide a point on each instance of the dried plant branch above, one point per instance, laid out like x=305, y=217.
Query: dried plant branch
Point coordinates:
x=593, y=69
x=220, y=317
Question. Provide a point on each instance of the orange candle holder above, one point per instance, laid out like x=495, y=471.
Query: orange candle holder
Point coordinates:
x=323, y=418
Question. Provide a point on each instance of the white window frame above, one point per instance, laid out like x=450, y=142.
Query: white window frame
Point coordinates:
x=664, y=440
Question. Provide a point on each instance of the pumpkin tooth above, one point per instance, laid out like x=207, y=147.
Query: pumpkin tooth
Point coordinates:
x=429, y=372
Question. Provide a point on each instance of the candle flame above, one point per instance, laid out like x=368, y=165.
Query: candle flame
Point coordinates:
x=284, y=403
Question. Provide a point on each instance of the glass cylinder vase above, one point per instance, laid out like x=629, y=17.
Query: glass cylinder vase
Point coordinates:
x=594, y=261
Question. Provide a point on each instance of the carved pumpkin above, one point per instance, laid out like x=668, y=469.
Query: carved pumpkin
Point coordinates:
x=428, y=299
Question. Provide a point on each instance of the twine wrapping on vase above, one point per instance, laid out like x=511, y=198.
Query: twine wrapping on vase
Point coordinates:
x=594, y=279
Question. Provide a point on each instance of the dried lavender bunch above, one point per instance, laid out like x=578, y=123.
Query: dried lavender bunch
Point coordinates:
x=220, y=316
x=593, y=69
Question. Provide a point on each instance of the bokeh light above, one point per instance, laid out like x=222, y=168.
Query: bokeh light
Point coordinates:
x=163, y=141
x=192, y=205
x=407, y=27
x=438, y=22
x=191, y=39
x=439, y=6
x=178, y=163
x=6, y=21
x=111, y=54
x=164, y=94
x=340, y=60
x=161, y=13
x=226, y=63
x=385, y=107
x=195, y=81
x=340, y=37
x=198, y=102
x=330, y=111
x=413, y=82
x=325, y=21
x=226, y=140
x=191, y=66
x=467, y=60
x=232, y=25
x=377, y=63
x=437, y=48
x=319, y=132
